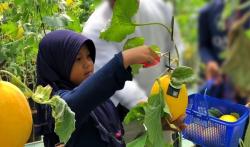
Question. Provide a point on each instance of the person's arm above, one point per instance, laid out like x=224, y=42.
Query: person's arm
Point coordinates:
x=97, y=88
x=132, y=93
x=248, y=105
x=204, y=35
x=101, y=85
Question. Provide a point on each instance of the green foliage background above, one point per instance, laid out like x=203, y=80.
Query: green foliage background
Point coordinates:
x=187, y=17
x=22, y=25
x=24, y=22
x=187, y=13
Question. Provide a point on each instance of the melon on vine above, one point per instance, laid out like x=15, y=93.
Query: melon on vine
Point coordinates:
x=15, y=116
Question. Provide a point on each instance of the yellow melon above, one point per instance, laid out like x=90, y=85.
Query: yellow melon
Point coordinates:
x=15, y=116
x=228, y=118
x=176, y=105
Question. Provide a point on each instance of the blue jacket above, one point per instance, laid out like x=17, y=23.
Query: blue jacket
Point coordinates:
x=97, y=121
x=212, y=40
x=91, y=96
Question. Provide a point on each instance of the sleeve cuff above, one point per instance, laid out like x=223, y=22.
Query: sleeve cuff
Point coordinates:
x=122, y=71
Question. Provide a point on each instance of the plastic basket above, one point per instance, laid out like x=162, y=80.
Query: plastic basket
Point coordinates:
x=210, y=131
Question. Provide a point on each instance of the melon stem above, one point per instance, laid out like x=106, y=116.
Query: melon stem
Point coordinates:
x=27, y=92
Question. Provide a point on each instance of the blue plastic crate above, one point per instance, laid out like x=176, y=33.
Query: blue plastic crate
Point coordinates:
x=210, y=131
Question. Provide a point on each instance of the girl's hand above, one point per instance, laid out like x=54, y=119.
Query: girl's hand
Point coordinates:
x=248, y=105
x=59, y=145
x=140, y=55
x=213, y=72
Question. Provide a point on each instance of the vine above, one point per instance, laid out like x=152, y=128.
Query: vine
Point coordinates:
x=147, y=114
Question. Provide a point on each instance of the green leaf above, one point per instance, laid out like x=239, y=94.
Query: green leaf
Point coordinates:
x=241, y=143
x=247, y=135
x=243, y=5
x=121, y=24
x=53, y=21
x=74, y=24
x=57, y=20
x=155, y=48
x=139, y=142
x=215, y=112
x=225, y=54
x=247, y=33
x=227, y=10
x=236, y=115
x=154, y=126
x=166, y=111
x=9, y=28
x=136, y=68
x=42, y=94
x=133, y=42
x=136, y=114
x=153, y=113
x=18, y=2
x=64, y=117
x=239, y=47
x=2, y=58
x=182, y=75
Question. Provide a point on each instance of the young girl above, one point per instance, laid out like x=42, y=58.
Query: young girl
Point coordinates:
x=65, y=62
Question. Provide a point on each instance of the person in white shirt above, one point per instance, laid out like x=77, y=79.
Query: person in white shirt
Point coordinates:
x=149, y=11
x=139, y=88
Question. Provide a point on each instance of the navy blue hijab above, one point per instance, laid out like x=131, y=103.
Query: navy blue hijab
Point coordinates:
x=56, y=55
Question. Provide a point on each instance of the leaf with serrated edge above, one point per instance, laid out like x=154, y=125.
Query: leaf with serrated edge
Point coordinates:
x=182, y=75
x=121, y=24
x=133, y=42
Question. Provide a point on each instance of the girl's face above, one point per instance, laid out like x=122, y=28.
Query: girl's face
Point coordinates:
x=83, y=66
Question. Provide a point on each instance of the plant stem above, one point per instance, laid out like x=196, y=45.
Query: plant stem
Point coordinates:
x=153, y=23
x=178, y=55
x=41, y=18
x=27, y=92
x=168, y=30
x=243, y=6
x=10, y=43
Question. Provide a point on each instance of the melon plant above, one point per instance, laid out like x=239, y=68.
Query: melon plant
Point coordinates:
x=16, y=116
x=172, y=102
x=156, y=109
x=235, y=65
